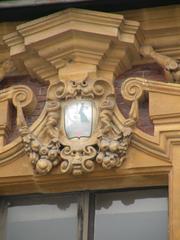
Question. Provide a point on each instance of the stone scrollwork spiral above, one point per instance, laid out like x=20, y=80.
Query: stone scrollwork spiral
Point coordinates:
x=132, y=89
x=19, y=95
x=22, y=97
x=98, y=88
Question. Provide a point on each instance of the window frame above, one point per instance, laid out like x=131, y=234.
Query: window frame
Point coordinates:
x=85, y=203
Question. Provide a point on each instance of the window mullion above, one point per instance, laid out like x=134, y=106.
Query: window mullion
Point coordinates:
x=3, y=218
x=86, y=216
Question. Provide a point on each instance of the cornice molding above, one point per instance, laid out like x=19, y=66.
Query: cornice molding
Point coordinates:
x=106, y=41
x=120, y=39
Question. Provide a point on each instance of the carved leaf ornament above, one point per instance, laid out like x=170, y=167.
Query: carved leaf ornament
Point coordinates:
x=79, y=130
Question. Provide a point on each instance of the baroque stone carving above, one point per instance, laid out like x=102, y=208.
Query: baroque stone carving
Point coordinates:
x=171, y=66
x=106, y=145
x=43, y=156
x=90, y=44
x=22, y=98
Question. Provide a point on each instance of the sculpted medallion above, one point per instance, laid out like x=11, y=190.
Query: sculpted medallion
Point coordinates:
x=79, y=129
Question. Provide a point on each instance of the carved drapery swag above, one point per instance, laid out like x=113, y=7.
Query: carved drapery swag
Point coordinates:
x=107, y=144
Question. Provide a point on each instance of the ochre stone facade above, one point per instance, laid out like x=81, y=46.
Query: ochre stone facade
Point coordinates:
x=60, y=57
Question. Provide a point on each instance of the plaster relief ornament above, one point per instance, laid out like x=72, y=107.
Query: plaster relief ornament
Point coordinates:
x=80, y=129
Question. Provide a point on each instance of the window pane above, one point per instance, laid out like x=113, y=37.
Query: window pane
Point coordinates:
x=132, y=215
x=78, y=119
x=43, y=219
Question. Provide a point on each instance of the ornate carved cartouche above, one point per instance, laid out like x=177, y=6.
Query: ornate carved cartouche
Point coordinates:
x=107, y=144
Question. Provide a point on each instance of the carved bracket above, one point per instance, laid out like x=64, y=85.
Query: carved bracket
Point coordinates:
x=133, y=89
x=164, y=114
x=22, y=98
x=171, y=66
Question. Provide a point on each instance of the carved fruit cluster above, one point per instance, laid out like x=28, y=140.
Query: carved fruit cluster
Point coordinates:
x=112, y=152
x=43, y=157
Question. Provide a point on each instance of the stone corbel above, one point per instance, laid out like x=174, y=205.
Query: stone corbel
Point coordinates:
x=133, y=89
x=171, y=66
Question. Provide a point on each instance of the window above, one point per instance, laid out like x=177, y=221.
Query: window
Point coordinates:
x=129, y=214
x=42, y=218
x=136, y=215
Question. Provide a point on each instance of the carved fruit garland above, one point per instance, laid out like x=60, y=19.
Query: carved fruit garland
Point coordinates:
x=43, y=156
x=107, y=145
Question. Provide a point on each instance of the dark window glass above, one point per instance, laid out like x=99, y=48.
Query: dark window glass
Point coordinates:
x=118, y=215
x=43, y=219
x=131, y=215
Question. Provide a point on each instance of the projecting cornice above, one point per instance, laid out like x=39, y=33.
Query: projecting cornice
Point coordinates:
x=160, y=26
x=105, y=43
x=117, y=39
